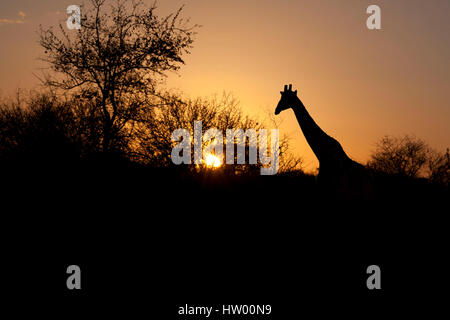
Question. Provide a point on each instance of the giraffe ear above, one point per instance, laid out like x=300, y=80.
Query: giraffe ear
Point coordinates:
x=295, y=92
x=281, y=92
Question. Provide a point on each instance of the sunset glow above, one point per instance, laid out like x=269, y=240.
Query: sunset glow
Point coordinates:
x=358, y=84
x=212, y=161
x=183, y=151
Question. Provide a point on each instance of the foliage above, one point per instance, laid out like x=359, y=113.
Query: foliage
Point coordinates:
x=410, y=157
x=154, y=143
x=47, y=126
x=116, y=59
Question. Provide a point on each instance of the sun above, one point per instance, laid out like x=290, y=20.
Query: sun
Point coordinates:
x=212, y=161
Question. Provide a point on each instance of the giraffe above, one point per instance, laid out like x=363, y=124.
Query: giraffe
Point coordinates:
x=336, y=170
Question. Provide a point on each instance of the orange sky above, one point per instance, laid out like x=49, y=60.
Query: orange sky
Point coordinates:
x=357, y=84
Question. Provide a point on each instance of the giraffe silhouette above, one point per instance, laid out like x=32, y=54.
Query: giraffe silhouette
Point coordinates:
x=336, y=170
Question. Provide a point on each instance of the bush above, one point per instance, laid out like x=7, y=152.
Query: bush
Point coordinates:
x=410, y=157
x=39, y=129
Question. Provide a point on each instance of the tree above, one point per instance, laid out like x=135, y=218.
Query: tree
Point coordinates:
x=405, y=156
x=116, y=60
x=438, y=165
x=410, y=157
x=38, y=128
x=154, y=143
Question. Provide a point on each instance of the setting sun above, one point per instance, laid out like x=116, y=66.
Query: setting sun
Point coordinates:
x=212, y=161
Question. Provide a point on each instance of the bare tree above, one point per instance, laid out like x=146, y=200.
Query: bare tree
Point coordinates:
x=289, y=162
x=438, y=165
x=410, y=157
x=404, y=156
x=37, y=127
x=154, y=143
x=116, y=59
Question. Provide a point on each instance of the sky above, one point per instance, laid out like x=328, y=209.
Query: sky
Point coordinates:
x=358, y=84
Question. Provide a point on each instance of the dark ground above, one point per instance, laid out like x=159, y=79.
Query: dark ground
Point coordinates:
x=150, y=240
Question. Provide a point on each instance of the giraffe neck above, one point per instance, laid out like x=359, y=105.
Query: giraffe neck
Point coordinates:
x=326, y=148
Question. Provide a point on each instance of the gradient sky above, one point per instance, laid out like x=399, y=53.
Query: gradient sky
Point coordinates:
x=357, y=84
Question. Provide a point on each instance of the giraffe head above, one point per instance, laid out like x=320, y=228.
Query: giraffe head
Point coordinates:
x=288, y=99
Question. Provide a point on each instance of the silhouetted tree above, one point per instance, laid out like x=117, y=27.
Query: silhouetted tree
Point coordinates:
x=410, y=157
x=405, y=156
x=116, y=59
x=154, y=143
x=38, y=129
x=438, y=165
x=46, y=127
